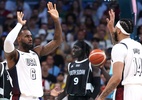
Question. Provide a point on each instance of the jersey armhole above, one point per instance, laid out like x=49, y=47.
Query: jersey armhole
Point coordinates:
x=90, y=66
x=2, y=69
x=124, y=44
x=69, y=66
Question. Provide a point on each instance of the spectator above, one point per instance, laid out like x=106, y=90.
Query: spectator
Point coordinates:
x=53, y=69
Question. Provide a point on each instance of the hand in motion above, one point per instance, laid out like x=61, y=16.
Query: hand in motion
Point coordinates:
x=20, y=16
x=53, y=11
x=55, y=92
x=110, y=22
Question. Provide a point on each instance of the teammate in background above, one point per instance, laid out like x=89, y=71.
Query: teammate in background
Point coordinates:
x=5, y=86
x=23, y=63
x=126, y=62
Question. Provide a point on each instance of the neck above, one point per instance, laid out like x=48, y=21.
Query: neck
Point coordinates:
x=24, y=50
x=124, y=37
x=82, y=58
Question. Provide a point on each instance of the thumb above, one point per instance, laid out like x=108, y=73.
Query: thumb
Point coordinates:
x=107, y=20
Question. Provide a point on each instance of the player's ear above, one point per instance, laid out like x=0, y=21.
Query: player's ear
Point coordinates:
x=18, y=38
x=118, y=31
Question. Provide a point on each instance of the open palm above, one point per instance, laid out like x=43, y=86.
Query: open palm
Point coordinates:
x=110, y=22
x=20, y=16
x=53, y=11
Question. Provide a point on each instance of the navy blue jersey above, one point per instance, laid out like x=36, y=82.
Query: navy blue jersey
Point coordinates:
x=79, y=79
x=5, y=86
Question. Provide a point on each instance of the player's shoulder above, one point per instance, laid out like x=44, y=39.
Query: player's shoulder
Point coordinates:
x=120, y=45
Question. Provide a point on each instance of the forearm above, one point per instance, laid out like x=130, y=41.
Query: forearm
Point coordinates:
x=58, y=31
x=106, y=75
x=112, y=84
x=61, y=95
x=11, y=37
x=96, y=83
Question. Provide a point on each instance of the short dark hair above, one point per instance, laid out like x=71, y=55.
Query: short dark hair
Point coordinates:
x=127, y=25
x=23, y=28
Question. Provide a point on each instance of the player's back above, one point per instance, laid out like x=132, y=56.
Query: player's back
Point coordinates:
x=133, y=63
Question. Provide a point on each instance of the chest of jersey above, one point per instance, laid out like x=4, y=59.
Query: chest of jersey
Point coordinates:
x=78, y=77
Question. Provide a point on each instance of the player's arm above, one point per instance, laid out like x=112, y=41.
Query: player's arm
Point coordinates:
x=57, y=40
x=114, y=80
x=9, y=49
x=118, y=58
x=64, y=93
x=105, y=73
x=96, y=82
x=59, y=95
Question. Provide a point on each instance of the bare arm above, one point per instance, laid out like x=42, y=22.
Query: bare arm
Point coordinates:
x=105, y=73
x=96, y=82
x=44, y=50
x=114, y=80
x=9, y=49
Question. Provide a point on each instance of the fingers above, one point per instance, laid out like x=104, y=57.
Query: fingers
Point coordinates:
x=20, y=14
x=50, y=6
x=107, y=20
x=111, y=14
x=54, y=6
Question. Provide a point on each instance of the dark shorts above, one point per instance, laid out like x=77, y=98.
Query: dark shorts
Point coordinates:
x=119, y=93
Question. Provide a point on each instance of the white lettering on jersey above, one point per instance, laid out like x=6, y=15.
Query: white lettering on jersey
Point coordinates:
x=77, y=72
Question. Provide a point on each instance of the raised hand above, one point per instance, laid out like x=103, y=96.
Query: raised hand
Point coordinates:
x=110, y=22
x=53, y=11
x=20, y=16
x=110, y=25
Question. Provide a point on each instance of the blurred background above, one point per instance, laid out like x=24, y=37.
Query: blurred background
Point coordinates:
x=80, y=20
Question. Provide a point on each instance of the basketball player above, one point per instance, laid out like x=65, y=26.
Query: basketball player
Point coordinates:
x=5, y=86
x=81, y=79
x=23, y=63
x=126, y=62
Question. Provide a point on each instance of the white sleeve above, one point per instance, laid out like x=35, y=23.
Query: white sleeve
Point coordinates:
x=119, y=52
x=11, y=37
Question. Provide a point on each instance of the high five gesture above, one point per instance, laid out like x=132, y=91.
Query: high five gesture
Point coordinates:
x=53, y=11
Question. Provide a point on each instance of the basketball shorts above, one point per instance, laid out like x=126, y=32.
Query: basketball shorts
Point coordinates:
x=133, y=92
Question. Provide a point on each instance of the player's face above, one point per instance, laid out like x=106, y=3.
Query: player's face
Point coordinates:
x=26, y=40
x=76, y=51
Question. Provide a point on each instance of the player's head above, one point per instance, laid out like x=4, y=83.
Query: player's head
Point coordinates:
x=124, y=26
x=25, y=39
x=80, y=49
